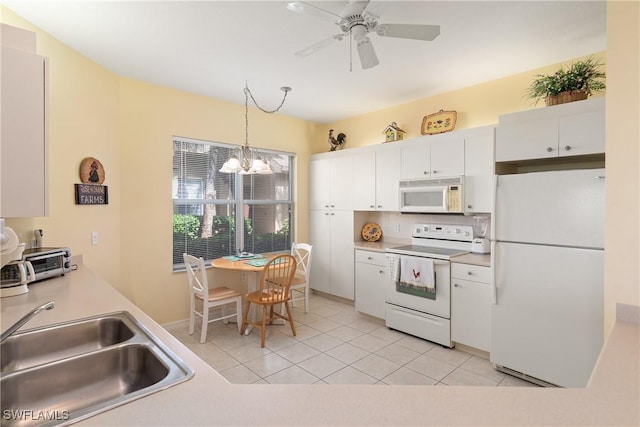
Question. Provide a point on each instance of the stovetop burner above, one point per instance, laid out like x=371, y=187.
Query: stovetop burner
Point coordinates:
x=437, y=241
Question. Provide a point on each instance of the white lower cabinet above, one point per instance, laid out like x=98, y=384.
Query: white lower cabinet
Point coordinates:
x=471, y=305
x=371, y=278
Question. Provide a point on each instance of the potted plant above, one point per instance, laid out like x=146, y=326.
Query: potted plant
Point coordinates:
x=575, y=83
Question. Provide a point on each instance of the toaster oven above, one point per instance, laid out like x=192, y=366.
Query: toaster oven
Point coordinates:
x=48, y=262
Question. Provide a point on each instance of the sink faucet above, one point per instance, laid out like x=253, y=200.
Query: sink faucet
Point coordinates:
x=33, y=313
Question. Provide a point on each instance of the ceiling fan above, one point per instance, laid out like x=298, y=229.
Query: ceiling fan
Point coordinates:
x=357, y=20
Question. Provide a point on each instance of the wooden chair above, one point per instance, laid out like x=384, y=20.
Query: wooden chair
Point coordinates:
x=300, y=283
x=274, y=290
x=210, y=297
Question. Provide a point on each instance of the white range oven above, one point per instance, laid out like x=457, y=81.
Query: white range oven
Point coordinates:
x=418, y=293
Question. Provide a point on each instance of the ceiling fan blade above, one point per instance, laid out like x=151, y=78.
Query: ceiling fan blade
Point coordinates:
x=311, y=10
x=374, y=10
x=367, y=54
x=319, y=45
x=409, y=31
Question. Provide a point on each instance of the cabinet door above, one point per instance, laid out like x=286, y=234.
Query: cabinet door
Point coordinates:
x=370, y=288
x=478, y=172
x=471, y=313
x=534, y=139
x=582, y=134
x=364, y=182
x=319, y=184
x=388, y=163
x=342, y=257
x=319, y=225
x=341, y=179
x=447, y=157
x=416, y=161
x=23, y=135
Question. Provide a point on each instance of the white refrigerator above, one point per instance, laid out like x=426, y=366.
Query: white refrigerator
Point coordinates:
x=547, y=317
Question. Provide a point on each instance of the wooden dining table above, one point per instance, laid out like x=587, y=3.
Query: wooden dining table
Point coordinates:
x=243, y=265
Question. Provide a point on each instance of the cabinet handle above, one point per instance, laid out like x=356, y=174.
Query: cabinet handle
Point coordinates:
x=331, y=214
x=455, y=285
x=425, y=173
x=372, y=206
x=567, y=147
x=549, y=149
x=333, y=206
x=381, y=271
x=469, y=206
x=326, y=206
x=469, y=273
x=379, y=206
x=326, y=213
x=435, y=171
x=369, y=257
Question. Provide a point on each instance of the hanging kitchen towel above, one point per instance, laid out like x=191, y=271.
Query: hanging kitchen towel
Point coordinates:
x=417, y=272
x=394, y=267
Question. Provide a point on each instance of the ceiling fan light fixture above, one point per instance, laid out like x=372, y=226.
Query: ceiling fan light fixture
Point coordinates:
x=359, y=32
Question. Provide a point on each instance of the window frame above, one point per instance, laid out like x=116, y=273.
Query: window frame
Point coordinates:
x=238, y=188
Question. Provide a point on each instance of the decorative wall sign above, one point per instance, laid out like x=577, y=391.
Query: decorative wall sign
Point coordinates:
x=92, y=194
x=440, y=122
x=91, y=171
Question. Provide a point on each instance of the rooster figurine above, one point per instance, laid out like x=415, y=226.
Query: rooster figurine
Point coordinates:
x=335, y=143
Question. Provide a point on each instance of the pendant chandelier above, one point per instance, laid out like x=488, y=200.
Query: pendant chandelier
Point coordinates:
x=247, y=160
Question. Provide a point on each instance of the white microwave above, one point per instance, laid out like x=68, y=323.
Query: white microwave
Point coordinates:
x=441, y=195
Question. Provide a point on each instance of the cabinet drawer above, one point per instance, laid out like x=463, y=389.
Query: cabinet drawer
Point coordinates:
x=476, y=273
x=369, y=257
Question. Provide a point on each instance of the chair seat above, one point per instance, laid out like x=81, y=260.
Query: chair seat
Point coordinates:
x=298, y=280
x=217, y=294
x=262, y=298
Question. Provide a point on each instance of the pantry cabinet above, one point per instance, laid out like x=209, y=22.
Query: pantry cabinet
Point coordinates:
x=478, y=169
x=375, y=179
x=433, y=156
x=471, y=305
x=331, y=182
x=23, y=127
x=371, y=281
x=332, y=236
x=572, y=129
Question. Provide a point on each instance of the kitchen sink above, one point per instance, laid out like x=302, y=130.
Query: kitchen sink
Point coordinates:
x=82, y=368
x=40, y=346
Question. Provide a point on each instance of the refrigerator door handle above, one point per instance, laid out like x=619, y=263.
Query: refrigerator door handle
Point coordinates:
x=492, y=271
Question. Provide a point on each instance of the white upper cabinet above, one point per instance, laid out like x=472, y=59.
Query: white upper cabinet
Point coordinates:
x=331, y=182
x=571, y=129
x=376, y=174
x=447, y=156
x=23, y=129
x=478, y=169
x=433, y=156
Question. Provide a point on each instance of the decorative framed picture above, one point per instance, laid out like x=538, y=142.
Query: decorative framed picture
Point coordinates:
x=440, y=122
x=91, y=171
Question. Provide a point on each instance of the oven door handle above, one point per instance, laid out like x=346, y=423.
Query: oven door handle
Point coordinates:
x=41, y=257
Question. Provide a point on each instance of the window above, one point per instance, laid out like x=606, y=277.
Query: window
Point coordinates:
x=217, y=214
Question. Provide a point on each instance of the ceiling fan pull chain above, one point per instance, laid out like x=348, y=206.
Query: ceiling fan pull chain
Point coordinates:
x=350, y=51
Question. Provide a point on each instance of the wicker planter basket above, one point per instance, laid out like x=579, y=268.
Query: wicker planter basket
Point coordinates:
x=568, y=96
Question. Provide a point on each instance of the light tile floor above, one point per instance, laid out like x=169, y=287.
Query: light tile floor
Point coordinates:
x=336, y=345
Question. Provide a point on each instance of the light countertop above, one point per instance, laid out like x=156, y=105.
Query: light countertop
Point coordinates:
x=381, y=246
x=612, y=397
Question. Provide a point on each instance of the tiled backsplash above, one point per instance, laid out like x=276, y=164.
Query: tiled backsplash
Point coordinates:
x=397, y=227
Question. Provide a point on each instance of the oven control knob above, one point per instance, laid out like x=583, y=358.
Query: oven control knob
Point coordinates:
x=466, y=234
x=457, y=231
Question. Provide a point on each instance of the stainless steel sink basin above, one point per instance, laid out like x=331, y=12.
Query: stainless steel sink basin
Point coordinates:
x=85, y=367
x=40, y=346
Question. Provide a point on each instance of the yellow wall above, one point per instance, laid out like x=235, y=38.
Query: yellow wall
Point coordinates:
x=128, y=125
x=478, y=105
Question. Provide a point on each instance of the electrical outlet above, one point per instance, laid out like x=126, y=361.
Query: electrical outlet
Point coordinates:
x=94, y=238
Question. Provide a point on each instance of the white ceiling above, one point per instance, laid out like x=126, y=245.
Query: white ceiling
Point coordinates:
x=213, y=47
